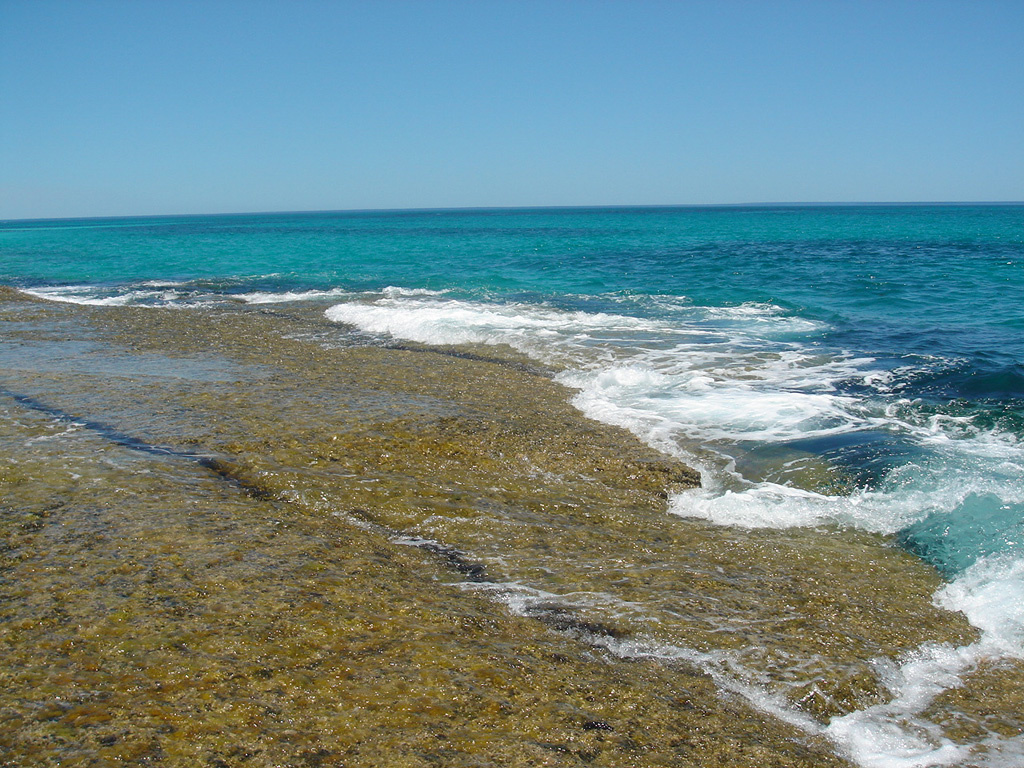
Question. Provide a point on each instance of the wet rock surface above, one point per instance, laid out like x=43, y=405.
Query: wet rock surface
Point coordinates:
x=344, y=554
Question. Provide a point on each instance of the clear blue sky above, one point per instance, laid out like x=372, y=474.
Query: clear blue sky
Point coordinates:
x=160, y=107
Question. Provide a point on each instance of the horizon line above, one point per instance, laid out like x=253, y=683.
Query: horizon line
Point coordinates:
x=484, y=208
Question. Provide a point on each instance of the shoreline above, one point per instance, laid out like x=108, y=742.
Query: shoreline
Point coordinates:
x=336, y=451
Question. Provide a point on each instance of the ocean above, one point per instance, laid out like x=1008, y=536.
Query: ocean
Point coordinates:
x=839, y=376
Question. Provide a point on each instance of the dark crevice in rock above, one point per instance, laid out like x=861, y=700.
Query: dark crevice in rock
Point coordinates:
x=106, y=431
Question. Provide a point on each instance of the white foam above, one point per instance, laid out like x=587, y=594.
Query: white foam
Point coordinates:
x=163, y=283
x=89, y=295
x=708, y=404
x=894, y=734
x=991, y=594
x=762, y=319
x=762, y=505
x=908, y=495
x=396, y=292
x=266, y=297
x=543, y=332
x=73, y=294
x=999, y=752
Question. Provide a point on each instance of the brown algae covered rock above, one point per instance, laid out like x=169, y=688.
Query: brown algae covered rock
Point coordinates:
x=240, y=536
x=155, y=614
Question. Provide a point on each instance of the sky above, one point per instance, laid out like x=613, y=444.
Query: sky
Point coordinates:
x=140, y=107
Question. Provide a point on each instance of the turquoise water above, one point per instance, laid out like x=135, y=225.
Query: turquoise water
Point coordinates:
x=857, y=366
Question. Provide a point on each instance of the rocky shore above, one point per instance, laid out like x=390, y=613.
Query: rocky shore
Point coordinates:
x=242, y=537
